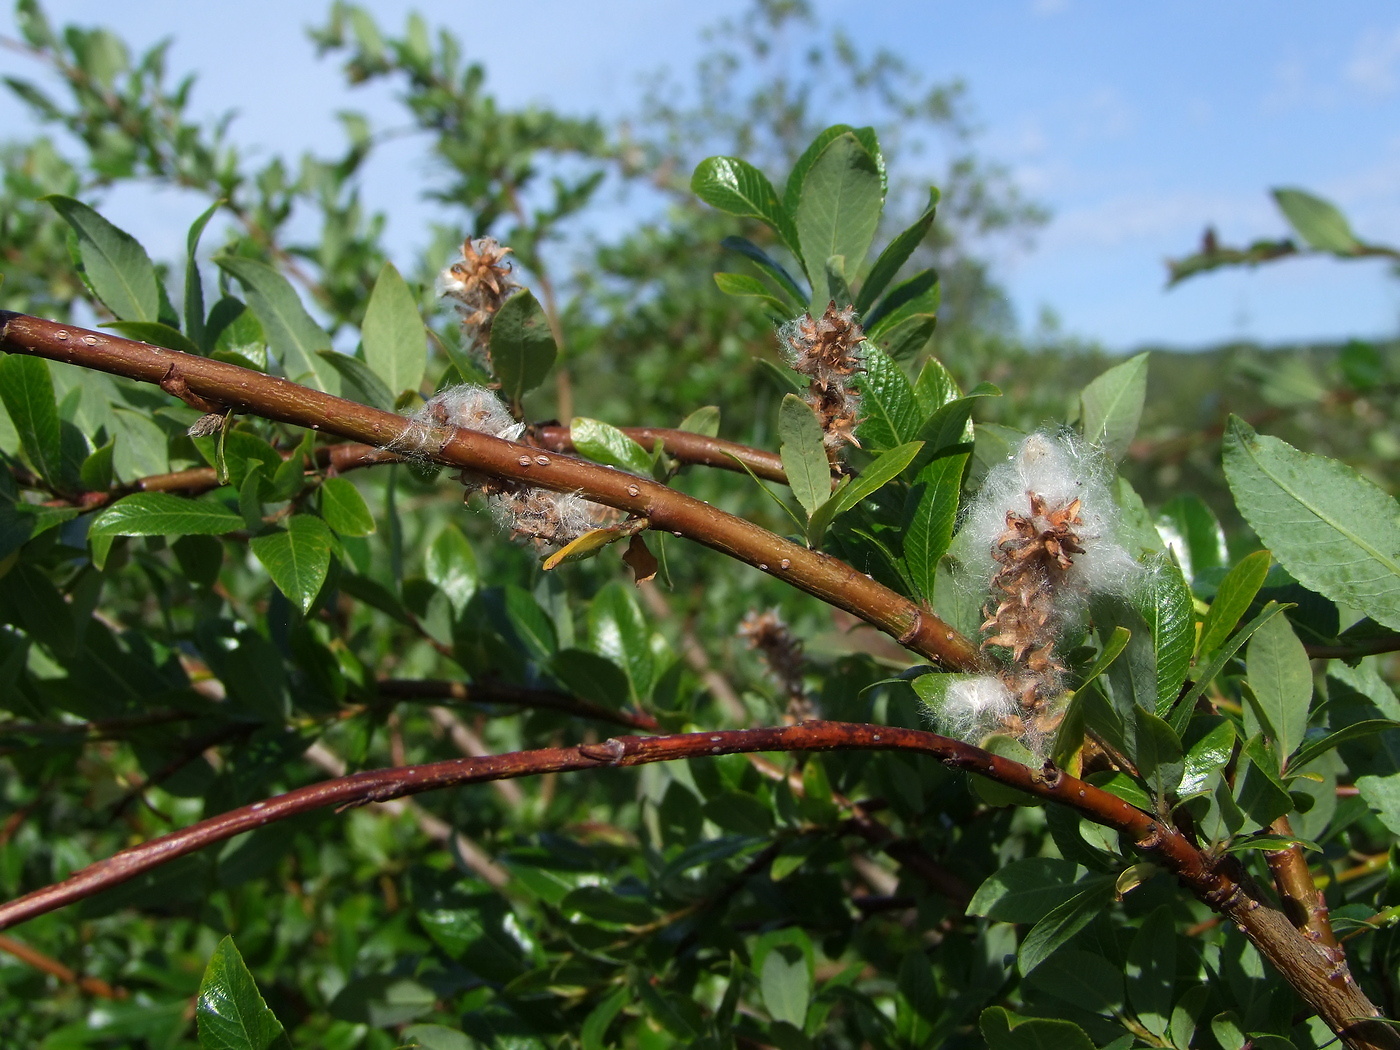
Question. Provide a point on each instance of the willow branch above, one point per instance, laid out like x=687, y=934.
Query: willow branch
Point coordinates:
x=245, y=390
x=1220, y=884
x=1303, y=902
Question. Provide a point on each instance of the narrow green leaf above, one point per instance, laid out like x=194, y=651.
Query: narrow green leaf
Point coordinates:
x=230, y=1013
x=26, y=388
x=803, y=453
x=742, y=285
x=297, y=558
x=1181, y=713
x=606, y=444
x=1355, y=731
x=292, y=334
x=1156, y=750
x=737, y=187
x=194, y=284
x=161, y=514
x=522, y=346
x=896, y=254
x=1336, y=532
x=889, y=409
x=116, y=266
x=950, y=426
x=918, y=295
x=595, y=1025
x=438, y=1037
x=1382, y=794
x=883, y=469
x=931, y=511
x=786, y=281
x=1318, y=222
x=838, y=212
x=396, y=346
x=1280, y=679
x=1233, y=598
x=344, y=509
x=450, y=566
x=935, y=387
x=1111, y=406
x=1259, y=790
x=1095, y=893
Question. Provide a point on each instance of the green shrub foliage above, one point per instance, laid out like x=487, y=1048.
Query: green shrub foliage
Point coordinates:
x=203, y=607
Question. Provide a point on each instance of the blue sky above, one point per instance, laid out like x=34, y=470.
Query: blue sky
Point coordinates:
x=1135, y=124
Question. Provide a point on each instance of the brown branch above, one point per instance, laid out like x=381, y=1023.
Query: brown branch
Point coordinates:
x=500, y=693
x=821, y=575
x=1220, y=883
x=37, y=959
x=1385, y=643
x=1303, y=903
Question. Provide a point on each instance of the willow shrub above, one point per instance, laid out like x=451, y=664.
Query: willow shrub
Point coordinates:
x=1156, y=808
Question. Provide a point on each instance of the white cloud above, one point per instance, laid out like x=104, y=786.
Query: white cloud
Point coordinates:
x=1375, y=64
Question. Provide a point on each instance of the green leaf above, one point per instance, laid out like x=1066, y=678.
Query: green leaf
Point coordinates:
x=949, y=426
x=230, y=1013
x=890, y=412
x=396, y=346
x=358, y=382
x=522, y=346
x=895, y=255
x=838, y=211
x=1181, y=713
x=1355, y=731
x=931, y=511
x=1206, y=757
x=786, y=984
x=1164, y=602
x=1334, y=531
x=803, y=453
x=1156, y=750
x=1024, y=891
x=1192, y=531
x=1111, y=406
x=1280, y=679
x=619, y=632
x=1083, y=979
x=595, y=1025
x=792, y=191
x=1233, y=598
x=591, y=676
x=606, y=444
x=161, y=514
x=297, y=558
x=1382, y=794
x=155, y=333
x=451, y=567
x=737, y=187
x=1151, y=970
x=741, y=284
x=704, y=421
x=194, y=284
x=916, y=297
x=1317, y=221
x=292, y=334
x=115, y=265
x=1064, y=921
x=786, y=281
x=1259, y=790
x=344, y=509
x=27, y=391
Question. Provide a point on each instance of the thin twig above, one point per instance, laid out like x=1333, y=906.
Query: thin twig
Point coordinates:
x=37, y=959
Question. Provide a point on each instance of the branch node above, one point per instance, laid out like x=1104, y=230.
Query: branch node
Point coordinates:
x=609, y=752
